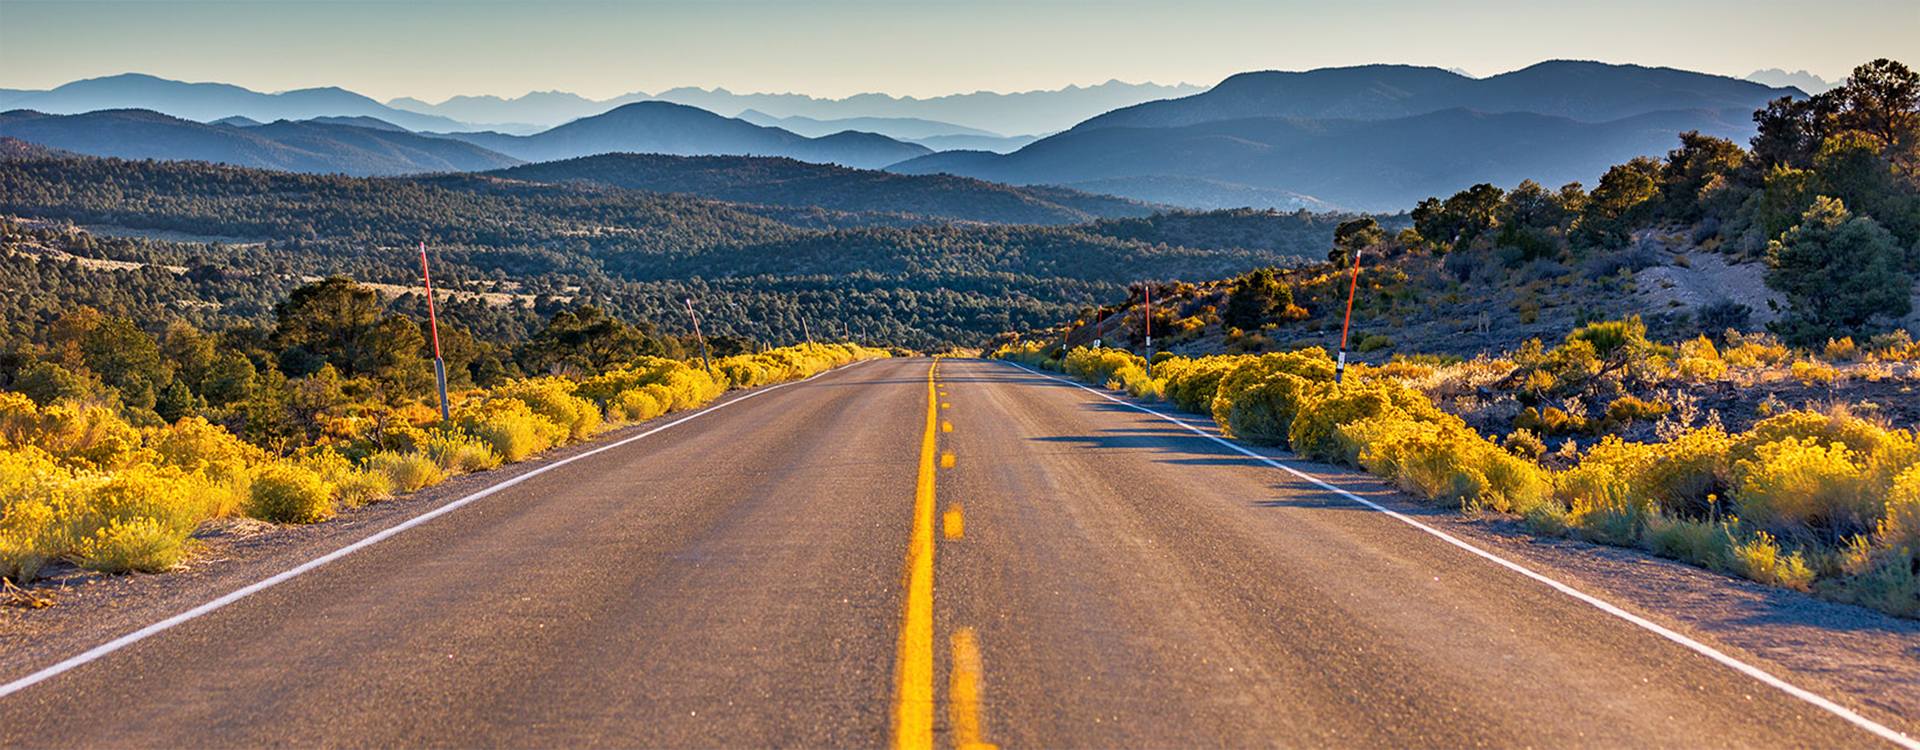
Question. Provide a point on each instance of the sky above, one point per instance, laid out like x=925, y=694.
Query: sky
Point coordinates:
x=440, y=48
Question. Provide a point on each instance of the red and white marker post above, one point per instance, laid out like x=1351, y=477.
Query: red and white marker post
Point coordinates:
x=433, y=322
x=1340, y=369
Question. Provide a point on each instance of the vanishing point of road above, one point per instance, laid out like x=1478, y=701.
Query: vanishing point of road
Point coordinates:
x=909, y=553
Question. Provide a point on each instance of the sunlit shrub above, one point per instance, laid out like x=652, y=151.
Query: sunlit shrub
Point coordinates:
x=196, y=445
x=1192, y=383
x=406, y=471
x=1315, y=420
x=1306, y=365
x=1761, y=559
x=86, y=437
x=457, y=452
x=1797, y=486
x=144, y=544
x=289, y=493
x=1550, y=421
x=1446, y=462
x=1814, y=373
x=1525, y=444
x=352, y=486
x=510, y=428
x=1700, y=361
x=554, y=399
x=1629, y=409
x=1900, y=528
x=1755, y=350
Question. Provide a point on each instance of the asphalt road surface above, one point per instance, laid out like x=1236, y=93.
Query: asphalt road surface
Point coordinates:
x=896, y=555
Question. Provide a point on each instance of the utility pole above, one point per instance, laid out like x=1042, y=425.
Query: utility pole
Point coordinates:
x=1340, y=369
x=703, y=339
x=433, y=322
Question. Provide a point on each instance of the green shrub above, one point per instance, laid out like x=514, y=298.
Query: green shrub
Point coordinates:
x=1708, y=544
x=406, y=471
x=1373, y=343
x=1263, y=413
x=287, y=493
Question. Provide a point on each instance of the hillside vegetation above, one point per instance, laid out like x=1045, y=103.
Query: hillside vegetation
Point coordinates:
x=639, y=255
x=116, y=446
x=1787, y=456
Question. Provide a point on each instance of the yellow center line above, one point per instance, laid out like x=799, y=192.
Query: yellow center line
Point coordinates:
x=946, y=460
x=946, y=427
x=963, y=692
x=913, y=670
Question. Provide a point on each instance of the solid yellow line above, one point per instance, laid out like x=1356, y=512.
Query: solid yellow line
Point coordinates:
x=913, y=670
x=963, y=692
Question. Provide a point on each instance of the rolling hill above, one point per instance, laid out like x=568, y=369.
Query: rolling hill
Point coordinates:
x=786, y=182
x=206, y=102
x=664, y=128
x=1368, y=165
x=1582, y=91
x=313, y=147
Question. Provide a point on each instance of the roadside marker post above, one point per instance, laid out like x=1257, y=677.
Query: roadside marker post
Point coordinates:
x=433, y=322
x=696, y=334
x=1146, y=295
x=1340, y=368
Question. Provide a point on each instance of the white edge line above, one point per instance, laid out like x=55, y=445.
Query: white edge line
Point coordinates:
x=1690, y=644
x=191, y=614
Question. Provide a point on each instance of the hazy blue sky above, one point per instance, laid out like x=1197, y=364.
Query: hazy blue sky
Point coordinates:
x=437, y=49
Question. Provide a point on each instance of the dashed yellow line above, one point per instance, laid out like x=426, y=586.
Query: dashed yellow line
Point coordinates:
x=913, y=670
x=954, y=522
x=946, y=460
x=963, y=692
x=946, y=427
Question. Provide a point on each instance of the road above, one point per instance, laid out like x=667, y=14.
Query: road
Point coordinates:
x=889, y=556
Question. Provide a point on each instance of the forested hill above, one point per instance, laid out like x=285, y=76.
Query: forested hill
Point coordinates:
x=788, y=182
x=634, y=254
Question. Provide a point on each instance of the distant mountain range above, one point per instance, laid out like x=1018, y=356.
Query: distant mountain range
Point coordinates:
x=1022, y=113
x=665, y=128
x=939, y=136
x=786, y=182
x=313, y=147
x=1377, y=137
x=1583, y=91
x=1374, y=138
x=206, y=102
x=1798, y=79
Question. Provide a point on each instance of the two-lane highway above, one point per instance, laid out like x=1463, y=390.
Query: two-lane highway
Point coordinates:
x=904, y=553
